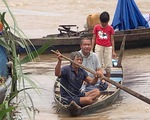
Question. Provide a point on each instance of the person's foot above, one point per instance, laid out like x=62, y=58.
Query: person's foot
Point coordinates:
x=74, y=109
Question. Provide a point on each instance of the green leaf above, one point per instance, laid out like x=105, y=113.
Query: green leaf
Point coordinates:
x=4, y=44
x=37, y=52
x=4, y=111
x=21, y=44
x=4, y=21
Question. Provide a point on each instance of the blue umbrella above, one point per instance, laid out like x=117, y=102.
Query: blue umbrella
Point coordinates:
x=128, y=16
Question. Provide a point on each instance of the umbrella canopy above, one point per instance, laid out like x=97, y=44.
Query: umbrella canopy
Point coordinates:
x=128, y=16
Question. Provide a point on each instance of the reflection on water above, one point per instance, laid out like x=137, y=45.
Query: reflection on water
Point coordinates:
x=136, y=77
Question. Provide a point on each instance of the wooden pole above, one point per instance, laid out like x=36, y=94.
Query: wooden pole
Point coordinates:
x=135, y=94
x=121, y=52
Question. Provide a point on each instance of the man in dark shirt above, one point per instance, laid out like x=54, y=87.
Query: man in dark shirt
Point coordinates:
x=71, y=80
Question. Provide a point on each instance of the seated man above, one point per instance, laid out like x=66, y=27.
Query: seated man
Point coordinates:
x=71, y=80
x=91, y=61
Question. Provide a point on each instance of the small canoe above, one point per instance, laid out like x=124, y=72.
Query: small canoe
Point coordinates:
x=106, y=98
x=5, y=77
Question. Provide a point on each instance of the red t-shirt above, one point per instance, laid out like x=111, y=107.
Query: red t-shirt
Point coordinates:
x=103, y=35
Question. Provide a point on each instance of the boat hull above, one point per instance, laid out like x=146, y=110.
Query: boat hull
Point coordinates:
x=107, y=97
x=135, y=38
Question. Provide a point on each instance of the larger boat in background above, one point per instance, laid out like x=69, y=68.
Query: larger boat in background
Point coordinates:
x=68, y=40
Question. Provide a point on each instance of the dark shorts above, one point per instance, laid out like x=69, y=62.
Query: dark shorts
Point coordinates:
x=68, y=99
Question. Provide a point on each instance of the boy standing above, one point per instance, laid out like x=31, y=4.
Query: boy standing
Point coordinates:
x=104, y=42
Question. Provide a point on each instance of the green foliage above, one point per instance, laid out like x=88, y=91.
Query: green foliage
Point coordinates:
x=4, y=109
x=39, y=51
x=2, y=19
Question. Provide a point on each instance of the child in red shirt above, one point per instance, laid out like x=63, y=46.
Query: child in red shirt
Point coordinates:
x=104, y=42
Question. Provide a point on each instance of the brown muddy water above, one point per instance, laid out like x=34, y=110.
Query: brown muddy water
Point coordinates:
x=136, y=65
x=38, y=18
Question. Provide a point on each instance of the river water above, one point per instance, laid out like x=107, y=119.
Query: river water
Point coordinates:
x=38, y=18
x=136, y=77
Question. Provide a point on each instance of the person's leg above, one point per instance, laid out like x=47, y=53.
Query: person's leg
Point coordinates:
x=99, y=50
x=107, y=73
x=93, y=93
x=83, y=101
x=108, y=61
x=88, y=99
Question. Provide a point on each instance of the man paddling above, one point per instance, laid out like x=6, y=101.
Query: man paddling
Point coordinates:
x=71, y=80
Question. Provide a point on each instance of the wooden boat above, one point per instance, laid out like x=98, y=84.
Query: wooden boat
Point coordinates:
x=135, y=38
x=5, y=78
x=106, y=98
x=68, y=40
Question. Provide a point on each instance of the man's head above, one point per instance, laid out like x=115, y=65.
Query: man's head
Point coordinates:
x=86, y=46
x=76, y=57
x=104, y=18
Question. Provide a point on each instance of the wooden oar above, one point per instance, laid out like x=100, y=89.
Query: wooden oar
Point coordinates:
x=135, y=94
